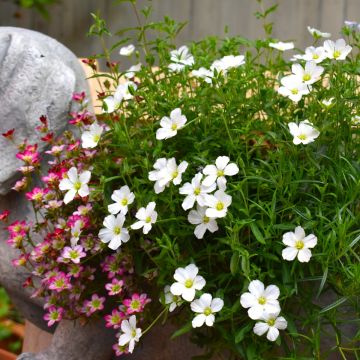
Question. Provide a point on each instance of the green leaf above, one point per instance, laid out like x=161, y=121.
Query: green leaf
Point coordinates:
x=234, y=263
x=255, y=230
x=239, y=336
x=185, y=329
x=334, y=305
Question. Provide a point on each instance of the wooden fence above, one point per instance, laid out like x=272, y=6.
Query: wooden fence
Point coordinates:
x=70, y=19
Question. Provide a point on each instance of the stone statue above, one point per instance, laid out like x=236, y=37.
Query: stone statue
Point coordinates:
x=38, y=76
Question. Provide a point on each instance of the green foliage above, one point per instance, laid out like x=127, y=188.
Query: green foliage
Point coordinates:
x=279, y=187
x=40, y=5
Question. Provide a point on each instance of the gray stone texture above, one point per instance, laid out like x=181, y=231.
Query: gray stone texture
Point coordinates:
x=37, y=77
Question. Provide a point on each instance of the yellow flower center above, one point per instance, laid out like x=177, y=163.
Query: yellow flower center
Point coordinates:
x=117, y=230
x=261, y=300
x=124, y=202
x=207, y=311
x=295, y=91
x=189, y=283
x=220, y=173
x=173, y=127
x=148, y=219
x=135, y=304
x=206, y=219
x=336, y=54
x=197, y=191
x=271, y=322
x=96, y=138
x=175, y=174
x=133, y=333
x=302, y=137
x=77, y=185
x=299, y=244
x=306, y=77
x=315, y=56
x=219, y=206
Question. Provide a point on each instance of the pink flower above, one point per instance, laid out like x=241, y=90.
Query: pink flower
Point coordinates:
x=74, y=254
x=21, y=261
x=136, y=303
x=30, y=155
x=55, y=150
x=114, y=319
x=83, y=210
x=21, y=184
x=95, y=304
x=59, y=282
x=54, y=315
x=16, y=241
x=4, y=215
x=120, y=350
x=79, y=97
x=115, y=287
x=37, y=194
x=75, y=270
x=18, y=227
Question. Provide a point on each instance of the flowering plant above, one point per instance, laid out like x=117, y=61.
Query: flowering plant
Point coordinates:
x=224, y=184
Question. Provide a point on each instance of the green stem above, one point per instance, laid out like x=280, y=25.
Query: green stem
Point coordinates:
x=154, y=322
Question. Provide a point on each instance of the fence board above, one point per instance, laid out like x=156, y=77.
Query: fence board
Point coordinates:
x=71, y=20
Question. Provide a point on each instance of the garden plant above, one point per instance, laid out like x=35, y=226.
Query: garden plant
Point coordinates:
x=220, y=183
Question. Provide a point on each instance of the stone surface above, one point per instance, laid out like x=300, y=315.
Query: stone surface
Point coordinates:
x=37, y=77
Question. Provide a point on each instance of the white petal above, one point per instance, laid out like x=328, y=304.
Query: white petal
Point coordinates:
x=85, y=176
x=280, y=323
x=248, y=300
x=210, y=319
x=272, y=292
x=198, y=320
x=200, y=231
x=273, y=333
x=260, y=328
x=124, y=339
x=177, y=289
x=289, y=253
x=69, y=196
x=221, y=162
x=73, y=175
x=217, y=304
x=256, y=287
x=231, y=169
x=84, y=190
x=310, y=241
x=188, y=202
x=304, y=255
x=255, y=312
x=188, y=294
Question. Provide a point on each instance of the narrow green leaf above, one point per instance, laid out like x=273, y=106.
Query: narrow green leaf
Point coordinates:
x=255, y=230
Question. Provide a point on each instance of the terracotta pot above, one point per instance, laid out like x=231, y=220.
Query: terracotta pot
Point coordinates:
x=5, y=355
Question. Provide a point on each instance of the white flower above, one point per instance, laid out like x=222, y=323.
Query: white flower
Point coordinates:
x=298, y=245
x=147, y=217
x=316, y=54
x=112, y=103
x=195, y=191
x=352, y=25
x=130, y=333
x=227, y=62
x=355, y=120
x=203, y=222
x=180, y=58
x=122, y=197
x=260, y=300
x=218, y=172
x=293, y=88
x=282, y=46
x=123, y=90
x=76, y=232
x=91, y=137
x=205, y=74
x=304, y=133
x=127, y=50
x=166, y=171
x=187, y=282
x=114, y=231
x=317, y=33
x=310, y=74
x=328, y=103
x=170, y=126
x=337, y=50
x=173, y=300
x=206, y=306
x=217, y=204
x=270, y=324
x=130, y=73
x=75, y=184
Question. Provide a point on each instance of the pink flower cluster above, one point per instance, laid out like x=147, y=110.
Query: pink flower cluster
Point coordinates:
x=60, y=247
